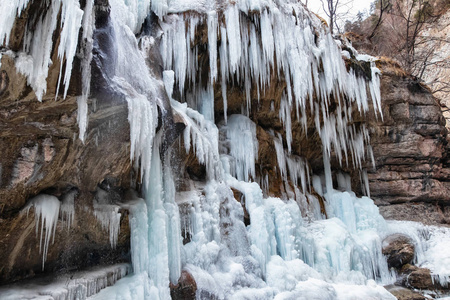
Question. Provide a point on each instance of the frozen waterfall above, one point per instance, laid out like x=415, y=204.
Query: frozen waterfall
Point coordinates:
x=292, y=248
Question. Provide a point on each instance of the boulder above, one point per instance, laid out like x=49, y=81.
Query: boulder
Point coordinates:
x=399, y=250
x=420, y=278
x=185, y=289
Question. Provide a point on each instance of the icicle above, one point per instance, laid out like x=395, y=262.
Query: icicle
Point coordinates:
x=46, y=209
x=212, y=45
x=71, y=17
x=10, y=10
x=281, y=158
x=285, y=117
x=365, y=180
x=88, y=30
x=108, y=215
x=35, y=66
x=68, y=209
x=233, y=36
x=138, y=234
x=169, y=81
x=223, y=54
x=158, y=268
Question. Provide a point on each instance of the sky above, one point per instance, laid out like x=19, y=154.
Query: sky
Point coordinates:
x=354, y=7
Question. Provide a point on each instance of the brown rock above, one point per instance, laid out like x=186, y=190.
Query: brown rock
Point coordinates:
x=409, y=145
x=185, y=289
x=399, y=250
x=402, y=293
x=420, y=279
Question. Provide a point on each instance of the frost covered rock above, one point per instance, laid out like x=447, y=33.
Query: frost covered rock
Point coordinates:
x=399, y=250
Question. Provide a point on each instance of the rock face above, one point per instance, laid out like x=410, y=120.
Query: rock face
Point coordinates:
x=420, y=279
x=410, y=146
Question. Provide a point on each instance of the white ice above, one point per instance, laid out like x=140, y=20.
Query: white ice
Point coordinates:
x=243, y=146
x=46, y=212
x=107, y=213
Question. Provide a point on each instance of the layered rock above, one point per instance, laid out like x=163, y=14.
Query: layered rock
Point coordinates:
x=410, y=148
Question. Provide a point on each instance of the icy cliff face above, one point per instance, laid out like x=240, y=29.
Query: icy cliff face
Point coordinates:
x=312, y=240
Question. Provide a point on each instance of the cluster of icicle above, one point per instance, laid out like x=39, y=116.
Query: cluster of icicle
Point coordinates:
x=48, y=209
x=254, y=40
x=34, y=60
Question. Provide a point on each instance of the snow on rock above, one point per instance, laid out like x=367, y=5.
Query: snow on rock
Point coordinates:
x=431, y=247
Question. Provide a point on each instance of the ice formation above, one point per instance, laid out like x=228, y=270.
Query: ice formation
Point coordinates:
x=46, y=210
x=107, y=213
x=70, y=286
x=290, y=250
x=68, y=208
x=243, y=144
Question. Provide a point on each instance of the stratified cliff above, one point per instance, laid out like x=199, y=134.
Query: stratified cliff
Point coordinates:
x=410, y=146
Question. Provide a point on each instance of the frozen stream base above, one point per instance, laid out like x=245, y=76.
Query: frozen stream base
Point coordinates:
x=79, y=285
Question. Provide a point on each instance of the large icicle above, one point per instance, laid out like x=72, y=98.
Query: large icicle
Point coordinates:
x=46, y=210
x=88, y=30
x=158, y=269
x=71, y=17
